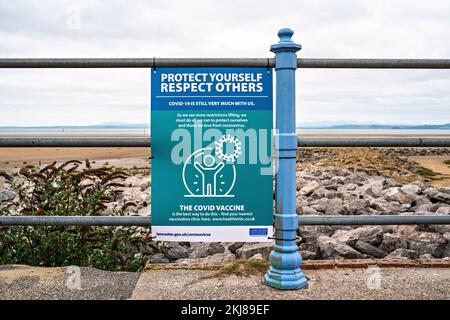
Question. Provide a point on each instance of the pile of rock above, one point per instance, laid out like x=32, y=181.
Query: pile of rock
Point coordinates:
x=6, y=195
x=337, y=191
x=389, y=242
x=317, y=154
x=210, y=253
x=330, y=181
x=135, y=198
x=408, y=152
x=341, y=191
x=321, y=242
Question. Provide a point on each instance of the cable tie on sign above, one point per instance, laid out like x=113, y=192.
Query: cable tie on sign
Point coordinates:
x=275, y=238
x=154, y=64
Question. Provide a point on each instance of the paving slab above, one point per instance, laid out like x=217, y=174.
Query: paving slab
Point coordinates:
x=27, y=283
x=371, y=283
x=23, y=282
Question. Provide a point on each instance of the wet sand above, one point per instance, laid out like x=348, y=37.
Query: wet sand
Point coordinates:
x=128, y=135
x=16, y=157
x=72, y=135
x=435, y=163
x=357, y=135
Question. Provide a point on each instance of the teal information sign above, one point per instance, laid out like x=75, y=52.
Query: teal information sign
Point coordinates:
x=212, y=172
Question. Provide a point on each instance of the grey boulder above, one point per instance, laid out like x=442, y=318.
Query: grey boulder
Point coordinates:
x=369, y=249
x=174, y=251
x=372, y=235
x=7, y=195
x=250, y=249
x=158, y=258
x=201, y=250
x=402, y=254
x=393, y=242
x=332, y=249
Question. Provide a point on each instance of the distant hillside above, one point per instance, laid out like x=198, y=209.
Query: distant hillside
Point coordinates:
x=112, y=125
x=445, y=126
x=311, y=125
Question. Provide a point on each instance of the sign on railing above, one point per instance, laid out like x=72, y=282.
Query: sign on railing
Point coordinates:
x=212, y=176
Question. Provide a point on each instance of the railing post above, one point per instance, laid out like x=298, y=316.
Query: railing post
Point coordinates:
x=285, y=272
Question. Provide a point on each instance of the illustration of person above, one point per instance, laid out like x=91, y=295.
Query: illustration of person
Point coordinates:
x=209, y=170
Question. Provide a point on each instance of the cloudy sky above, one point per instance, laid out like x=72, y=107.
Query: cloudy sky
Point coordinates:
x=231, y=28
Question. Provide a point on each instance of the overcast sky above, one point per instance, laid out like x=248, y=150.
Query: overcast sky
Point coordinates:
x=231, y=28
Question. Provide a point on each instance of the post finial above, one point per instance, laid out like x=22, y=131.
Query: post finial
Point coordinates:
x=285, y=34
x=285, y=43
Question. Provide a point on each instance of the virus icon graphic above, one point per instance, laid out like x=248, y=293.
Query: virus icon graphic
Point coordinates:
x=237, y=148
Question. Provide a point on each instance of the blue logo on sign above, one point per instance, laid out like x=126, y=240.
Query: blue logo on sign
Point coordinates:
x=255, y=232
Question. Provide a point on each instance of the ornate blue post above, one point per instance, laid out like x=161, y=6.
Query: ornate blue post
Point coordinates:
x=285, y=272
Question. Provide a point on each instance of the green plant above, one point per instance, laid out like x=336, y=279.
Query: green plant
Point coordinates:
x=63, y=191
x=447, y=162
x=243, y=268
x=103, y=248
x=425, y=172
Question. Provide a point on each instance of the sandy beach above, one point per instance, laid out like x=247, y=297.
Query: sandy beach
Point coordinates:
x=11, y=158
x=16, y=157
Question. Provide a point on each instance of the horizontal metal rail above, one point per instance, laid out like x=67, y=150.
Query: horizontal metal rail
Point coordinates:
x=311, y=220
x=222, y=62
x=137, y=62
x=307, y=220
x=373, y=142
x=145, y=142
x=374, y=63
x=74, y=142
x=126, y=221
